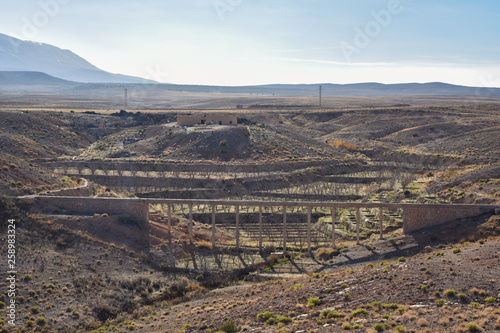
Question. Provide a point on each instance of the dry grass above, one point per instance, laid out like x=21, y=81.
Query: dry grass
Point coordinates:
x=342, y=144
x=204, y=245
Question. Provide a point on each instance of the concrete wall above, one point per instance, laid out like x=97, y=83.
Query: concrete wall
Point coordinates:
x=417, y=217
x=188, y=120
x=134, y=208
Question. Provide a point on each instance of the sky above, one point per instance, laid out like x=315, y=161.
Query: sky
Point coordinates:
x=247, y=42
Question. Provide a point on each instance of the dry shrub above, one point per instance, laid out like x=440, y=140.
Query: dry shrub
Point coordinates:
x=179, y=289
x=326, y=253
x=474, y=290
x=91, y=324
x=205, y=245
x=445, y=320
x=422, y=322
x=497, y=324
x=342, y=144
x=138, y=284
x=104, y=311
x=491, y=227
x=109, y=306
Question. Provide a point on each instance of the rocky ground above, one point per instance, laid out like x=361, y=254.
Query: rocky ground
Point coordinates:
x=434, y=281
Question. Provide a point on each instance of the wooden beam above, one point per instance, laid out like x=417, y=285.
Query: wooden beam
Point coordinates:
x=156, y=201
x=381, y=212
x=260, y=229
x=190, y=226
x=169, y=213
x=281, y=203
x=284, y=229
x=213, y=226
x=309, y=210
x=237, y=212
x=334, y=211
x=358, y=221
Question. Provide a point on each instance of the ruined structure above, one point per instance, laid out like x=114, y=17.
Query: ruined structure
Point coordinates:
x=415, y=216
x=191, y=120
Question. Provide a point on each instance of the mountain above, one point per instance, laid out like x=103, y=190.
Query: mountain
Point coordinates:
x=26, y=56
x=330, y=89
x=31, y=78
x=380, y=89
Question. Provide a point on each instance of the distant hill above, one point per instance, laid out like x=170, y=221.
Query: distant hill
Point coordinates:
x=379, y=89
x=38, y=82
x=25, y=56
x=31, y=78
x=329, y=89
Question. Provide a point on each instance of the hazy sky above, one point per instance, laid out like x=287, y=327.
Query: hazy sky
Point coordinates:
x=234, y=42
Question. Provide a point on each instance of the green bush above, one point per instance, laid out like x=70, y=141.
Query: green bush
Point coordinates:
x=440, y=302
x=264, y=316
x=270, y=321
x=313, y=301
x=295, y=287
x=229, y=327
x=329, y=314
x=473, y=327
x=450, y=292
x=390, y=306
x=41, y=321
x=283, y=319
x=359, y=312
x=490, y=299
x=381, y=327
x=18, y=184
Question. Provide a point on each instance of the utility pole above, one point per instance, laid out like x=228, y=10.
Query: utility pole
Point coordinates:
x=320, y=88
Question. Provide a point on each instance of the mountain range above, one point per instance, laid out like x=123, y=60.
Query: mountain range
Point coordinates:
x=27, y=56
x=27, y=66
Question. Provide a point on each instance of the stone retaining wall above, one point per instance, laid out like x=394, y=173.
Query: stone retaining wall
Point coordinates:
x=136, y=209
x=419, y=217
